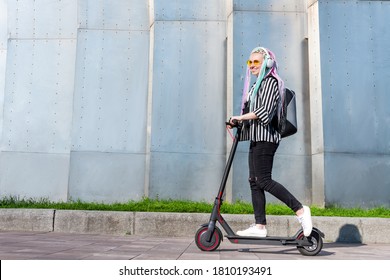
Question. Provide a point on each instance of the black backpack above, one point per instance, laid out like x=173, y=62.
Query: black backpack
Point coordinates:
x=287, y=125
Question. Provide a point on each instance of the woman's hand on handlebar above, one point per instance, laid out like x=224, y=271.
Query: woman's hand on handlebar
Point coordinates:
x=233, y=121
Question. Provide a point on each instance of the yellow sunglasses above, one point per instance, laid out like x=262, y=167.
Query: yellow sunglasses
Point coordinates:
x=256, y=63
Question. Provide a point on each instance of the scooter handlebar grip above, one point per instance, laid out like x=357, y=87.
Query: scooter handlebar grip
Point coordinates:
x=235, y=122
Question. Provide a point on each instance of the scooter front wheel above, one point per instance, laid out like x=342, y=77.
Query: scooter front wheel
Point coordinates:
x=315, y=248
x=201, y=240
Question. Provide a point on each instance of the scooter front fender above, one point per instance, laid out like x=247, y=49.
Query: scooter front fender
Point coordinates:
x=210, y=230
x=300, y=231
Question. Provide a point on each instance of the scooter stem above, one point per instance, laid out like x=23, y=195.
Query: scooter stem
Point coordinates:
x=230, y=161
x=218, y=200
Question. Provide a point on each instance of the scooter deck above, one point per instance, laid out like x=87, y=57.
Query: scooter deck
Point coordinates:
x=269, y=240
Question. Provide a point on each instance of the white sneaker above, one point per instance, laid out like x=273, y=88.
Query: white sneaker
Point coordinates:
x=253, y=230
x=305, y=221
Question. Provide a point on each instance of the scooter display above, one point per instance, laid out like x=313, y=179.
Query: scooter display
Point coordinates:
x=209, y=235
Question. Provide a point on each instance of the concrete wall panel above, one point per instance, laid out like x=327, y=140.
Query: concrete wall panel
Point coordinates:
x=188, y=112
x=3, y=58
x=38, y=96
x=111, y=91
x=357, y=180
x=355, y=90
x=106, y=177
x=121, y=15
x=3, y=24
x=269, y=5
x=195, y=10
x=186, y=176
x=355, y=67
x=34, y=175
x=42, y=19
x=188, y=88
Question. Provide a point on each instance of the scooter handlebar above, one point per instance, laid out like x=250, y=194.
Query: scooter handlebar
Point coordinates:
x=236, y=123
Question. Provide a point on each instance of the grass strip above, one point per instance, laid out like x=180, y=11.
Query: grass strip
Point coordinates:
x=186, y=206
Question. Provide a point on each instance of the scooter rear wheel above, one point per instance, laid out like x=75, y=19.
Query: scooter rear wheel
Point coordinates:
x=203, y=244
x=314, y=249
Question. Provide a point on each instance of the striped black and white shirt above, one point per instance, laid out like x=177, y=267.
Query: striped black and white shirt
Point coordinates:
x=265, y=106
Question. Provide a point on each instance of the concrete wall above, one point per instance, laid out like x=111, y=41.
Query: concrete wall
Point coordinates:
x=188, y=111
x=349, y=71
x=75, y=100
x=104, y=101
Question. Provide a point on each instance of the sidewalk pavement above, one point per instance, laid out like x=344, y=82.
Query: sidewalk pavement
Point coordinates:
x=23, y=245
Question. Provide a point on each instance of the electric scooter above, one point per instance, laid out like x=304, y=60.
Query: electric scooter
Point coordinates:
x=209, y=236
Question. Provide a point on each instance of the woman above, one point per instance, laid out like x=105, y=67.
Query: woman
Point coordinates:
x=259, y=105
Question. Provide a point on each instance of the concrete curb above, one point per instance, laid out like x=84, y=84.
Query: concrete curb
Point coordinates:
x=27, y=219
x=342, y=229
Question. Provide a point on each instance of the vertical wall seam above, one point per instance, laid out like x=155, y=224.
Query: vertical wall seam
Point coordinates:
x=149, y=101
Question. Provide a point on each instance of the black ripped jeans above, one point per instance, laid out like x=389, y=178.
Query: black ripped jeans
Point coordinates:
x=261, y=158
